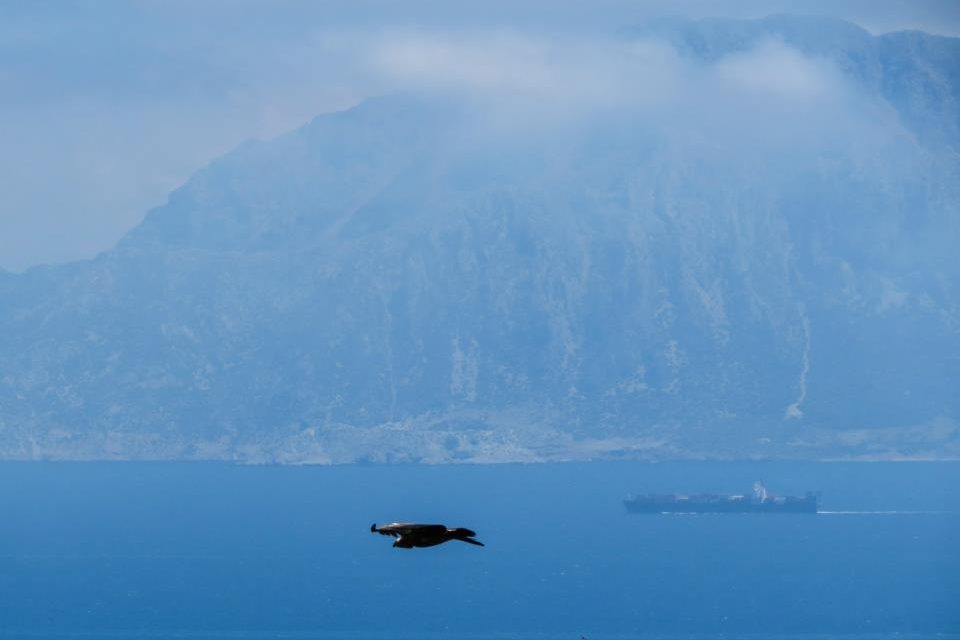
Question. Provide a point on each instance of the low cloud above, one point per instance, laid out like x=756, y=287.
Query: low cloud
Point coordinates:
x=771, y=92
x=775, y=69
x=504, y=65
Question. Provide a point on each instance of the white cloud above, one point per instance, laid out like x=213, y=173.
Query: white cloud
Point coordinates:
x=771, y=92
x=515, y=65
x=776, y=69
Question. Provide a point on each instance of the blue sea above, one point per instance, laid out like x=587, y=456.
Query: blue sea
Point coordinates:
x=179, y=550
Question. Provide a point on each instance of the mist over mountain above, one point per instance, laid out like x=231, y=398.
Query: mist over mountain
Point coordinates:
x=711, y=239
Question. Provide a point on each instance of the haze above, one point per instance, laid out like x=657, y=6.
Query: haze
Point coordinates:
x=108, y=107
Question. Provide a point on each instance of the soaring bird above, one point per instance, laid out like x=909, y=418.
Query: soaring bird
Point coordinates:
x=409, y=535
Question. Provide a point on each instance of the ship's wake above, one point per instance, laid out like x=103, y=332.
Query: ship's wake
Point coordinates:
x=884, y=513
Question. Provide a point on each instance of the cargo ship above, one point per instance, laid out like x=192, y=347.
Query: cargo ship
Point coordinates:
x=759, y=502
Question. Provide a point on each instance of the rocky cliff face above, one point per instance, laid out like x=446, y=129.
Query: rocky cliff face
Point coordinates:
x=405, y=281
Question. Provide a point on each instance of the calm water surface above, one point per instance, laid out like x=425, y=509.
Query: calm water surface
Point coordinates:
x=109, y=550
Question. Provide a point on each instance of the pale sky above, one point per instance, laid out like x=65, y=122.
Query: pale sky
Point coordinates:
x=105, y=107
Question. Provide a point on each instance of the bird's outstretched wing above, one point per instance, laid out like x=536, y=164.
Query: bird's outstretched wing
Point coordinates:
x=397, y=529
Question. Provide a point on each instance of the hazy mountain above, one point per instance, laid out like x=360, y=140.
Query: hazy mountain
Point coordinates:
x=916, y=73
x=765, y=268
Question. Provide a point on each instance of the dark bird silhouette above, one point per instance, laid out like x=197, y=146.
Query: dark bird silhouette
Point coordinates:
x=409, y=535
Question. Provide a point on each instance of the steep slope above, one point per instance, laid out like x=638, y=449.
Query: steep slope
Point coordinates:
x=406, y=281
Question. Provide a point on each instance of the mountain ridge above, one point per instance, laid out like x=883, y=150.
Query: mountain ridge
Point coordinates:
x=397, y=282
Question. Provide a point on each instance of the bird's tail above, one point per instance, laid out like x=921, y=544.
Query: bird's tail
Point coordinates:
x=465, y=535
